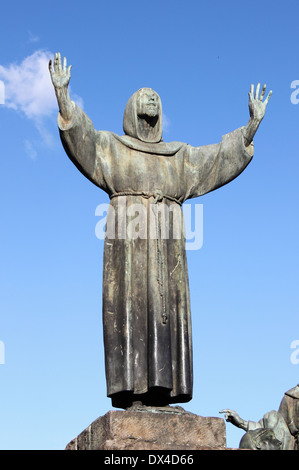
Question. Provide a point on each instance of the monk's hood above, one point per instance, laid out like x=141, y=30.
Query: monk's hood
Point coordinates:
x=131, y=122
x=135, y=138
x=159, y=148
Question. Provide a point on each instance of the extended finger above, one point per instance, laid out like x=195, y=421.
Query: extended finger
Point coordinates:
x=64, y=64
x=50, y=66
x=257, y=91
x=268, y=97
x=263, y=92
x=57, y=62
x=225, y=411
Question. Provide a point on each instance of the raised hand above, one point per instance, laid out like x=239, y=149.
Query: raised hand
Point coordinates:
x=60, y=77
x=257, y=107
x=61, y=74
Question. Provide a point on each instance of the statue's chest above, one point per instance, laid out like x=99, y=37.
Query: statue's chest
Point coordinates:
x=140, y=169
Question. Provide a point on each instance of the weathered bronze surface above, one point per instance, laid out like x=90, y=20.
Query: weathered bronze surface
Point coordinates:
x=277, y=430
x=146, y=304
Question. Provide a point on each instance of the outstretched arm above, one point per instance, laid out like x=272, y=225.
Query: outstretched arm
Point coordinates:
x=232, y=417
x=211, y=166
x=60, y=77
x=257, y=109
x=77, y=133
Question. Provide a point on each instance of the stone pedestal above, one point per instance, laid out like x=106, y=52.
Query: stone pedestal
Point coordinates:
x=151, y=430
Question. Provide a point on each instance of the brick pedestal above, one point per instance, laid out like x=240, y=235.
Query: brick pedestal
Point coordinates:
x=151, y=430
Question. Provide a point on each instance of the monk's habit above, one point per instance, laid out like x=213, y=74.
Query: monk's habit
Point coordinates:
x=146, y=303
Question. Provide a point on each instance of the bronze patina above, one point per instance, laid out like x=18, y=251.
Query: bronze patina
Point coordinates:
x=146, y=303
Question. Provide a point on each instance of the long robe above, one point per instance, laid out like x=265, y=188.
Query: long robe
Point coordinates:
x=146, y=303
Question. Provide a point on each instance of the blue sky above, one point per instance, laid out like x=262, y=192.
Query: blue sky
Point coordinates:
x=201, y=57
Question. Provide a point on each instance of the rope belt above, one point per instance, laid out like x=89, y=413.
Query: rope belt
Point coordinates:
x=157, y=194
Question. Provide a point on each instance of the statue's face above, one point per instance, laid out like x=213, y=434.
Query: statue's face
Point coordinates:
x=148, y=103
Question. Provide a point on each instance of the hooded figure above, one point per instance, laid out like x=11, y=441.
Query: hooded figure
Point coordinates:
x=146, y=304
x=135, y=124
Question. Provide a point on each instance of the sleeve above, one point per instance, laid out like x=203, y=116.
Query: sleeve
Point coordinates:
x=79, y=139
x=252, y=425
x=270, y=420
x=212, y=166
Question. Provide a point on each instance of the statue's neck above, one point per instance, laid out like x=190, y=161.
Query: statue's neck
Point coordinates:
x=147, y=128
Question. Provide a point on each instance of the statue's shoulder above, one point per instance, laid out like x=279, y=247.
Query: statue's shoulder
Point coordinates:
x=104, y=137
x=293, y=392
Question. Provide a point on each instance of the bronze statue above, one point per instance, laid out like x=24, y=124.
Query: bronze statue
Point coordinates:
x=277, y=430
x=146, y=305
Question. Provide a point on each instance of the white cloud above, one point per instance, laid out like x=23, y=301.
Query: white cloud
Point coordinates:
x=28, y=86
x=166, y=122
x=30, y=150
x=32, y=37
x=29, y=90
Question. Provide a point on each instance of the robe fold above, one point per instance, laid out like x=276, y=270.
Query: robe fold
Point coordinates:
x=146, y=303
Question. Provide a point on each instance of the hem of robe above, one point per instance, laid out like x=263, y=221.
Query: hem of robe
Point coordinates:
x=155, y=396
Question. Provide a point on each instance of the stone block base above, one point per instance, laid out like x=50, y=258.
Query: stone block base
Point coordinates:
x=152, y=429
